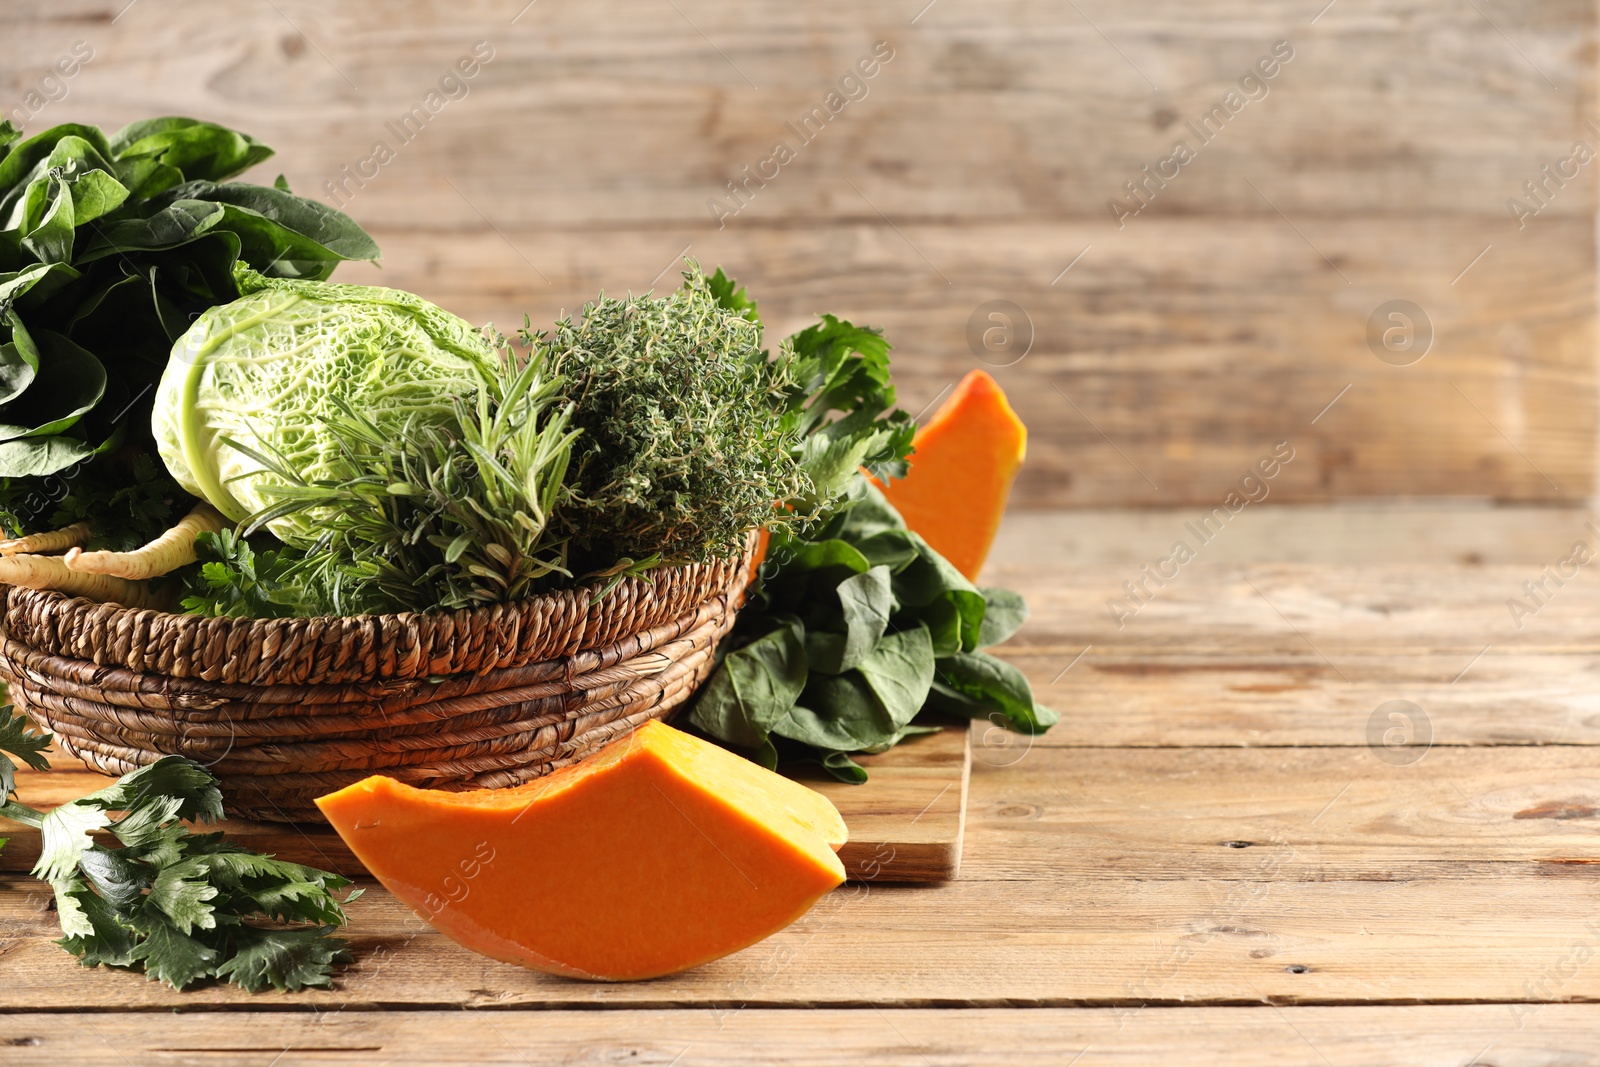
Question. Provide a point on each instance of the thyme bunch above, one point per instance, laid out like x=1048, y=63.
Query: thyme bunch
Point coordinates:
x=685, y=447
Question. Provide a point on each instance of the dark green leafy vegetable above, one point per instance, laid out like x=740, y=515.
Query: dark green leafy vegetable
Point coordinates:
x=731, y=297
x=859, y=626
x=842, y=407
x=110, y=245
x=122, y=517
x=17, y=739
x=180, y=906
x=838, y=405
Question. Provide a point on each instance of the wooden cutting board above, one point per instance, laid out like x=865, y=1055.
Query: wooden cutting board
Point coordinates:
x=905, y=822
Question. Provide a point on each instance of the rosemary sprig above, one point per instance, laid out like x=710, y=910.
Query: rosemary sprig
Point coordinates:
x=445, y=516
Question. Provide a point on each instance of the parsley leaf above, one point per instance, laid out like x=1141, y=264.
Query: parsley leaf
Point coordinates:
x=287, y=960
x=171, y=956
x=233, y=579
x=732, y=297
x=182, y=907
x=18, y=739
x=182, y=893
x=131, y=502
x=843, y=406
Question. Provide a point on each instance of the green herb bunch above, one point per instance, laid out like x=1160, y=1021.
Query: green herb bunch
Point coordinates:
x=442, y=515
x=841, y=408
x=686, y=446
x=180, y=906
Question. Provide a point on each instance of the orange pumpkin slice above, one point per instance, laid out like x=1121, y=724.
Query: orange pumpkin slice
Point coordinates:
x=658, y=853
x=966, y=457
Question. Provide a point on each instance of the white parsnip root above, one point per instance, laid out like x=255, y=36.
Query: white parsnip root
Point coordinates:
x=49, y=541
x=173, y=549
x=52, y=572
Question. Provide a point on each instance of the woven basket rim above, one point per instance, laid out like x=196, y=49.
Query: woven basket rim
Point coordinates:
x=115, y=610
x=365, y=648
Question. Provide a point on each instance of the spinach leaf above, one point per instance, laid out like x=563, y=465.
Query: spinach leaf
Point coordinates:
x=837, y=712
x=943, y=620
x=70, y=382
x=891, y=548
x=18, y=164
x=200, y=150
x=899, y=671
x=47, y=220
x=754, y=688
x=842, y=767
x=39, y=456
x=820, y=555
x=294, y=216
x=864, y=606
x=978, y=684
x=875, y=627
x=19, y=360
x=1004, y=613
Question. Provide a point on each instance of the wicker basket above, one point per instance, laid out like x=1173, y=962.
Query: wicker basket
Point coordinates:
x=284, y=710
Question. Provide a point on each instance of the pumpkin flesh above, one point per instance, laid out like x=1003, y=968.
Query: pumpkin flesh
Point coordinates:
x=960, y=475
x=658, y=853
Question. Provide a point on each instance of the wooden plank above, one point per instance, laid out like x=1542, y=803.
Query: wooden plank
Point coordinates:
x=1516, y=815
x=905, y=822
x=1298, y=654
x=1462, y=532
x=1062, y=942
x=1261, y=1036
x=1013, y=110
x=1092, y=877
x=1321, y=613
x=1261, y=699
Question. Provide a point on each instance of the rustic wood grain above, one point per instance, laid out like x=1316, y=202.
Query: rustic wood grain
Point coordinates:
x=905, y=822
x=1150, y=381
x=1466, y=533
x=1259, y=699
x=1220, y=320
x=1296, y=654
x=1419, y=1036
x=1121, y=875
x=1321, y=613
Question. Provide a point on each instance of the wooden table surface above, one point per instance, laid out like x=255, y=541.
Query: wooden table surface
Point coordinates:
x=1207, y=861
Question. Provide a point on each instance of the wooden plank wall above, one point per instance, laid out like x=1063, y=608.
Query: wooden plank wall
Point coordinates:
x=975, y=165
